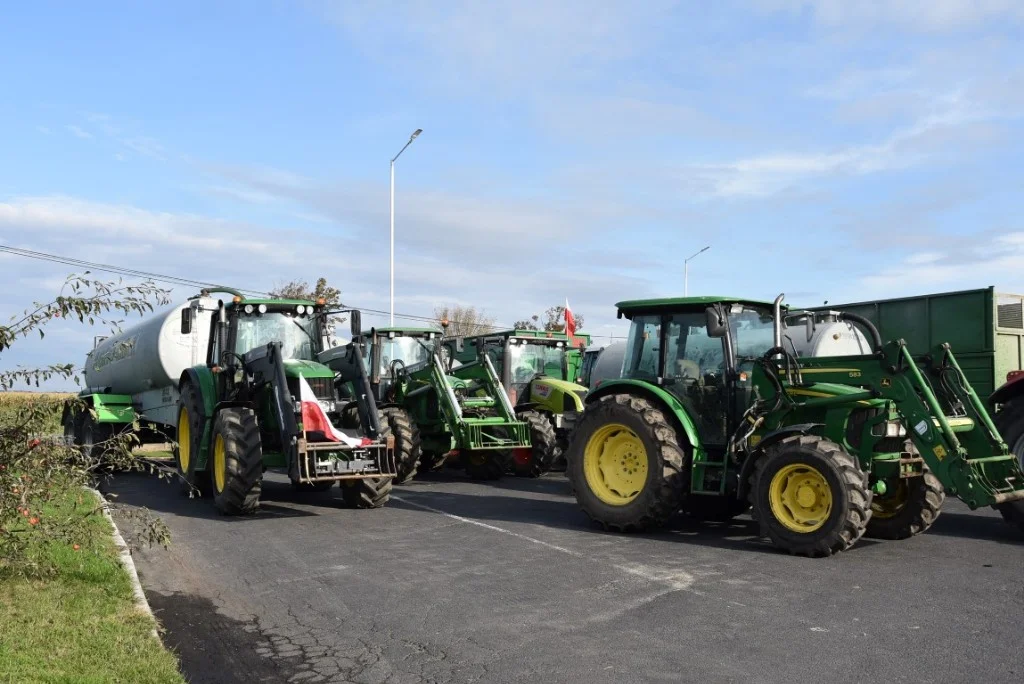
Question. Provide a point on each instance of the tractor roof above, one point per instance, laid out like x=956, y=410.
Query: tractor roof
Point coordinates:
x=409, y=331
x=274, y=302
x=633, y=306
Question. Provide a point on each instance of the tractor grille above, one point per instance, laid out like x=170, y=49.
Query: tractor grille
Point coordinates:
x=323, y=388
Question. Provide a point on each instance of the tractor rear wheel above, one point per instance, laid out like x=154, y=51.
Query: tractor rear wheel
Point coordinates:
x=372, y=492
x=810, y=496
x=1010, y=422
x=191, y=423
x=625, y=463
x=236, y=461
x=483, y=464
x=908, y=508
x=543, y=450
x=407, y=442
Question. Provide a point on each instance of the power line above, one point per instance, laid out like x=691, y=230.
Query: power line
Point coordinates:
x=176, y=280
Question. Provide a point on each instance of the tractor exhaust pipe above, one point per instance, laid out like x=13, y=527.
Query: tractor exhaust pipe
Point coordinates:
x=777, y=311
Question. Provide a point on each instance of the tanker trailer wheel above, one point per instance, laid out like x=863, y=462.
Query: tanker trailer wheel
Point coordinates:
x=407, y=442
x=625, y=463
x=191, y=422
x=236, y=461
x=810, y=496
x=908, y=507
x=538, y=458
x=1010, y=422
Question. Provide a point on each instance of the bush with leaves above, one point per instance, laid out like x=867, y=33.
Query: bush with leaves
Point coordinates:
x=553, y=321
x=40, y=469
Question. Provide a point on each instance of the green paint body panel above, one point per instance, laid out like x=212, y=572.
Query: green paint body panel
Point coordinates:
x=555, y=396
x=984, y=327
x=208, y=391
x=294, y=368
x=681, y=303
x=272, y=303
x=111, y=408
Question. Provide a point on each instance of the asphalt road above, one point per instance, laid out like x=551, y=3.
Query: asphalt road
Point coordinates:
x=456, y=581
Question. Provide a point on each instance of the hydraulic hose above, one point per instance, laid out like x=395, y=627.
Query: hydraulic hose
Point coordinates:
x=876, y=338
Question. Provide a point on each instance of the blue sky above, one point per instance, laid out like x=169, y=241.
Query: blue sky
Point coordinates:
x=581, y=149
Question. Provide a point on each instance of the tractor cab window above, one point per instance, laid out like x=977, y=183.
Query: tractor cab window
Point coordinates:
x=695, y=372
x=529, y=360
x=297, y=334
x=412, y=352
x=753, y=332
x=643, y=348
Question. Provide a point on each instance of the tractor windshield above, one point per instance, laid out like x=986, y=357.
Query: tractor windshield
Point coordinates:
x=297, y=334
x=753, y=331
x=413, y=352
x=529, y=360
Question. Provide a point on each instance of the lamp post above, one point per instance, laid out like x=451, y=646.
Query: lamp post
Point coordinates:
x=686, y=270
x=411, y=138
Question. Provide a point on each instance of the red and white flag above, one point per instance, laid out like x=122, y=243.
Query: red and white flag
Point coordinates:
x=570, y=321
x=315, y=420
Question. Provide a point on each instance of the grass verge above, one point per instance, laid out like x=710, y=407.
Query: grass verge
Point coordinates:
x=79, y=624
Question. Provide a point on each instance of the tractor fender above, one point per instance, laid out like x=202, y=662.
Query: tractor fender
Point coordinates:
x=1011, y=389
x=771, y=438
x=677, y=413
x=200, y=377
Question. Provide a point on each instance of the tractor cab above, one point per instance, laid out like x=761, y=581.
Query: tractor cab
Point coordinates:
x=395, y=352
x=701, y=350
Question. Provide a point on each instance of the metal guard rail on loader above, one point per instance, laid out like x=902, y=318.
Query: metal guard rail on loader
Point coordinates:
x=964, y=450
x=500, y=431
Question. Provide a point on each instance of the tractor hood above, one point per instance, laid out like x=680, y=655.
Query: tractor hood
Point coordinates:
x=553, y=392
x=295, y=368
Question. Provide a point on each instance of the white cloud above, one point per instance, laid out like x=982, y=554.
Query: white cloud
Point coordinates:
x=78, y=132
x=913, y=15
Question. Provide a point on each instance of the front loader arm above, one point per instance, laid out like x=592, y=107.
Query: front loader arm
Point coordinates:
x=266, y=366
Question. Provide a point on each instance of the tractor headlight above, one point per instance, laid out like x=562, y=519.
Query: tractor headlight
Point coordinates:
x=249, y=308
x=300, y=309
x=263, y=308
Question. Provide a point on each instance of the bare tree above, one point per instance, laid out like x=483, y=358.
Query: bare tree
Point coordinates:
x=464, y=321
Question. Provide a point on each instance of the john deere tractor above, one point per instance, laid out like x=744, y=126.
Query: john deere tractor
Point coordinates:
x=435, y=410
x=538, y=370
x=240, y=385
x=714, y=415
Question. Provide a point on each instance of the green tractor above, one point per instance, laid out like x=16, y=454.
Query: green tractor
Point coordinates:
x=715, y=415
x=539, y=371
x=241, y=386
x=436, y=408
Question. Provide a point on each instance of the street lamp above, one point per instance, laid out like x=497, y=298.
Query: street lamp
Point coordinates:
x=411, y=138
x=686, y=271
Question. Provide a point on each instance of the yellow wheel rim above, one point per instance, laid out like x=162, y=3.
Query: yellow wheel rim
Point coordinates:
x=800, y=497
x=220, y=461
x=184, y=440
x=615, y=464
x=892, y=503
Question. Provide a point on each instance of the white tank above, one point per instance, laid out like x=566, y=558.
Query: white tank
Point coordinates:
x=608, y=364
x=826, y=337
x=152, y=354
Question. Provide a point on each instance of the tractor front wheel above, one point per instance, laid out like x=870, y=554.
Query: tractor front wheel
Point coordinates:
x=810, y=496
x=543, y=450
x=407, y=442
x=908, y=507
x=625, y=463
x=236, y=461
x=371, y=492
x=1010, y=422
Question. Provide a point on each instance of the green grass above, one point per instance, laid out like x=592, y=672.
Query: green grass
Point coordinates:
x=81, y=624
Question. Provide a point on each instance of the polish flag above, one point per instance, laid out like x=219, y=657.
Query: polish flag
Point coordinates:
x=570, y=321
x=315, y=420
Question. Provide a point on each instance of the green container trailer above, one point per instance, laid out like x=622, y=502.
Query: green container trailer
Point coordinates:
x=984, y=327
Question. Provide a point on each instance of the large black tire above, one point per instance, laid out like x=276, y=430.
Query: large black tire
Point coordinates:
x=484, y=464
x=909, y=508
x=407, y=442
x=822, y=465
x=237, y=471
x=544, y=449
x=627, y=433
x=369, y=493
x=188, y=438
x=1010, y=422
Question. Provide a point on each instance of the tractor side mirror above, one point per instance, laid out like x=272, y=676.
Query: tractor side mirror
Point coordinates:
x=355, y=323
x=186, y=321
x=715, y=322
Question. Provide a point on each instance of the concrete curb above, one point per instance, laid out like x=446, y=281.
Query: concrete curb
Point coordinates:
x=127, y=562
